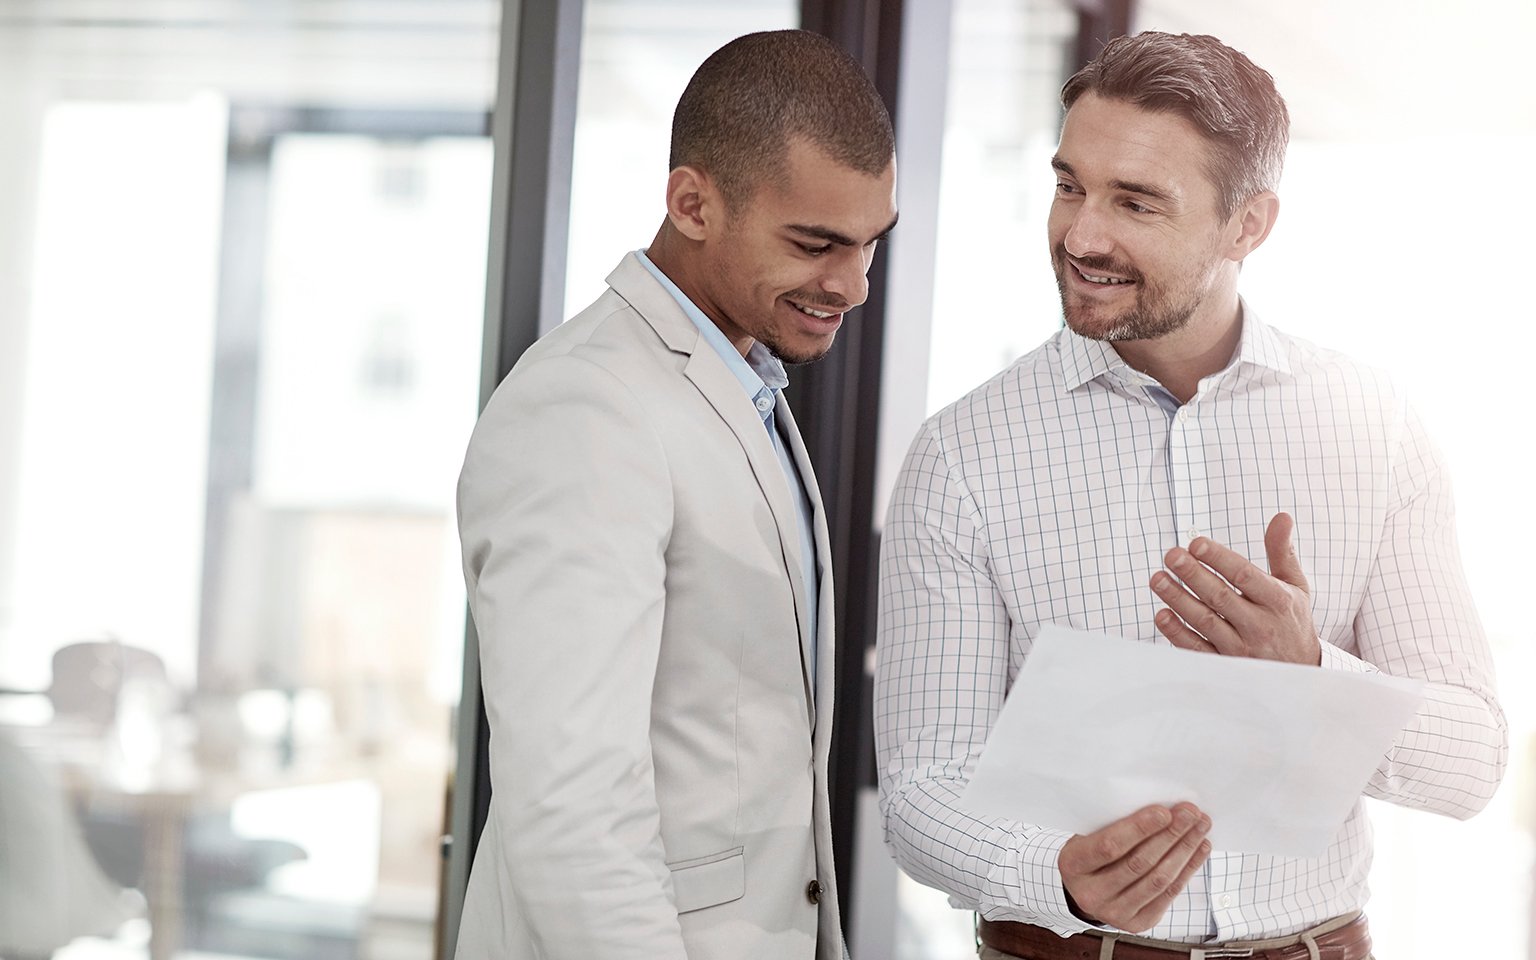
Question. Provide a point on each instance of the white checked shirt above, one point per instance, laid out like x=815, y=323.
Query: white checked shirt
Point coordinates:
x=1052, y=492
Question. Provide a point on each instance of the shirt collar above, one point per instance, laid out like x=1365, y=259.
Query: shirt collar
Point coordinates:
x=760, y=372
x=1083, y=359
x=1260, y=345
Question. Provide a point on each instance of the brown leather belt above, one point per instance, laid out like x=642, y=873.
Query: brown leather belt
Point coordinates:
x=1346, y=938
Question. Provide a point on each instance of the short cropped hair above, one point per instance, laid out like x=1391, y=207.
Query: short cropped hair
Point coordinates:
x=1228, y=98
x=756, y=94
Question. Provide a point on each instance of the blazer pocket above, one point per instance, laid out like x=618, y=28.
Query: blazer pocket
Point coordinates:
x=709, y=881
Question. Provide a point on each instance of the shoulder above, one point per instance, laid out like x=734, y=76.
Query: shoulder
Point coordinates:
x=610, y=335
x=1344, y=384
x=607, y=352
x=597, y=380
x=997, y=409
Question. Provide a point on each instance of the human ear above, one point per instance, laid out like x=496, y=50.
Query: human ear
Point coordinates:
x=1251, y=223
x=693, y=202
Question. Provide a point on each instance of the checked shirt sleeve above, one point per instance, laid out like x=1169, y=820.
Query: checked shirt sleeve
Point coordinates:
x=943, y=672
x=1417, y=620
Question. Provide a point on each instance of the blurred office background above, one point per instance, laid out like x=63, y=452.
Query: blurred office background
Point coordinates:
x=260, y=261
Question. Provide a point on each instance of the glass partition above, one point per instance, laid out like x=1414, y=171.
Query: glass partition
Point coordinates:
x=240, y=323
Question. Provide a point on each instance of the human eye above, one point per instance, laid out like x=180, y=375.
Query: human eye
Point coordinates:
x=1137, y=207
x=1066, y=188
x=814, y=249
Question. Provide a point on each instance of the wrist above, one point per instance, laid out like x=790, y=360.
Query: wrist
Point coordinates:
x=1078, y=911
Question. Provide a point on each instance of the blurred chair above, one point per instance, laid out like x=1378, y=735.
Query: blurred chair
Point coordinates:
x=51, y=889
x=89, y=678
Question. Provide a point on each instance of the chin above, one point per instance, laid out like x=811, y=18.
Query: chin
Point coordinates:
x=1109, y=332
x=1137, y=324
x=1094, y=326
x=801, y=356
x=800, y=352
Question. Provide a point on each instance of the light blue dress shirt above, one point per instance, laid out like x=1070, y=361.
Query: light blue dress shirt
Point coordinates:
x=762, y=376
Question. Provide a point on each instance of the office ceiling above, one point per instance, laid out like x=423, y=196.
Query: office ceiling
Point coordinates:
x=402, y=53
x=1349, y=68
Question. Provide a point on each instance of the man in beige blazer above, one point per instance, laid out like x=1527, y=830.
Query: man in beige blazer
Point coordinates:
x=647, y=556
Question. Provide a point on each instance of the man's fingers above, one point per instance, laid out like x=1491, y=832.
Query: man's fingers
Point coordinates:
x=1142, y=857
x=1146, y=918
x=1179, y=634
x=1106, y=846
x=1233, y=605
x=1280, y=547
x=1238, y=578
x=1197, y=611
x=1172, y=859
x=1146, y=869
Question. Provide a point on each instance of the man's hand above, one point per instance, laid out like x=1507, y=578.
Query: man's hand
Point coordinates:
x=1227, y=605
x=1126, y=874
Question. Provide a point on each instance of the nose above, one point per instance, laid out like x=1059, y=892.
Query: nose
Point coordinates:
x=848, y=277
x=1087, y=231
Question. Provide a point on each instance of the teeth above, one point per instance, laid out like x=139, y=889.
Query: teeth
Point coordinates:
x=1106, y=280
x=815, y=313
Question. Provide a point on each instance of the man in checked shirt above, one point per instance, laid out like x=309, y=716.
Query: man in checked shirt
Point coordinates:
x=1169, y=466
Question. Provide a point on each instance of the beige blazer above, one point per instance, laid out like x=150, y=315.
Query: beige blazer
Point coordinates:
x=631, y=549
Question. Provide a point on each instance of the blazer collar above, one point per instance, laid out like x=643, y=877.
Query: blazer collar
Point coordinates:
x=655, y=305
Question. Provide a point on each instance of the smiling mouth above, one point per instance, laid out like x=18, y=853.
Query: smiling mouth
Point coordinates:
x=818, y=314
x=1101, y=279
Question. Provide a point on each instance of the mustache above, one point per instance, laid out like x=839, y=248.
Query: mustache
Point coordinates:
x=1096, y=262
x=819, y=302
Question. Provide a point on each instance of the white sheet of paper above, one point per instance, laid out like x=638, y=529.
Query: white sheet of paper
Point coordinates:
x=1097, y=727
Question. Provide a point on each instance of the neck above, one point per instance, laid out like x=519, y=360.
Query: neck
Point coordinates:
x=667, y=253
x=673, y=255
x=1180, y=360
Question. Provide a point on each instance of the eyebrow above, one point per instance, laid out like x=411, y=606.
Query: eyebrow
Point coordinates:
x=1127, y=186
x=841, y=239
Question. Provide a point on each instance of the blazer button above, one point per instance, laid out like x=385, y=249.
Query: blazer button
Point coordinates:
x=813, y=891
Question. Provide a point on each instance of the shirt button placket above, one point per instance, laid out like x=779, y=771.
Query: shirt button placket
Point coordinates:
x=1190, y=495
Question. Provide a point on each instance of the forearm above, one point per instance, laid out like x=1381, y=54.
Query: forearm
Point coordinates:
x=584, y=893
x=1417, y=619
x=945, y=648
x=1450, y=757
x=1004, y=870
x=574, y=793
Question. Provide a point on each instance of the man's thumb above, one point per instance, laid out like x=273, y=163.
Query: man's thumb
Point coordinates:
x=1278, y=545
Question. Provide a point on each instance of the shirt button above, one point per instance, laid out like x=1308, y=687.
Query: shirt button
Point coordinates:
x=1225, y=901
x=763, y=403
x=1191, y=534
x=1183, y=414
x=813, y=891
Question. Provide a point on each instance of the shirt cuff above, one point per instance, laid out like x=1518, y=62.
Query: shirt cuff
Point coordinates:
x=1334, y=658
x=1030, y=887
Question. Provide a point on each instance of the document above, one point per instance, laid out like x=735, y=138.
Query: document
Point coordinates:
x=1097, y=727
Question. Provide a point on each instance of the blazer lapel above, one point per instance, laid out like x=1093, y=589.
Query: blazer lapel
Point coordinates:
x=825, y=606
x=723, y=391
